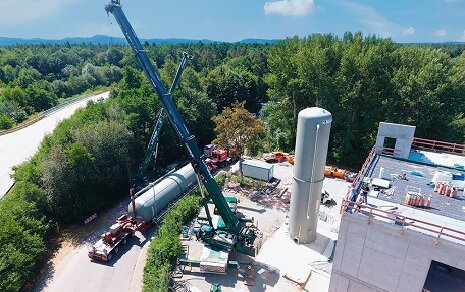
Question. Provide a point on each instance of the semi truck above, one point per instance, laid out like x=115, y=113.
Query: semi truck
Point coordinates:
x=217, y=158
x=116, y=236
x=236, y=235
x=146, y=208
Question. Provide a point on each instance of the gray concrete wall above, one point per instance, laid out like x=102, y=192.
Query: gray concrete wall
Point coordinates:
x=402, y=133
x=376, y=257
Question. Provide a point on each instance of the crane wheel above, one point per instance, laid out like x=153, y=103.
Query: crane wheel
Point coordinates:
x=109, y=257
x=124, y=241
x=116, y=250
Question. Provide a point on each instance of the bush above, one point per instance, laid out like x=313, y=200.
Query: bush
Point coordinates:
x=246, y=181
x=22, y=233
x=166, y=245
x=6, y=122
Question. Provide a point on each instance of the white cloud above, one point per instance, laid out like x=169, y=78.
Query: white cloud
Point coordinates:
x=442, y=32
x=462, y=37
x=16, y=12
x=373, y=20
x=290, y=7
x=409, y=31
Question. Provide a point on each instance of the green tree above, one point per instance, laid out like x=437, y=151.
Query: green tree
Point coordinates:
x=225, y=86
x=237, y=126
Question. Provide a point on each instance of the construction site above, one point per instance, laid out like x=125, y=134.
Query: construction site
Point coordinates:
x=396, y=225
x=275, y=221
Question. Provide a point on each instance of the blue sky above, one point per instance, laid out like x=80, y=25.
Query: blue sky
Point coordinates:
x=234, y=20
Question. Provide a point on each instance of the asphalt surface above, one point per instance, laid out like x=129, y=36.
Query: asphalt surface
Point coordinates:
x=19, y=146
x=76, y=272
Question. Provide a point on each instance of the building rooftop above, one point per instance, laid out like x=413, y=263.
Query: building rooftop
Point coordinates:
x=418, y=177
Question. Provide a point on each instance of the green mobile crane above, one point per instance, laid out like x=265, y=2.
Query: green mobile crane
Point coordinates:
x=233, y=235
x=152, y=147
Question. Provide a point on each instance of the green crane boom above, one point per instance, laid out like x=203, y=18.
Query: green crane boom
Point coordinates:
x=235, y=235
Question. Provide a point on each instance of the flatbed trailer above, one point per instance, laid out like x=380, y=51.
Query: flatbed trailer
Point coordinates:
x=104, y=252
x=110, y=241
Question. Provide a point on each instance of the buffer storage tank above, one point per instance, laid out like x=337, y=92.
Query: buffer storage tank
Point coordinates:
x=152, y=202
x=313, y=127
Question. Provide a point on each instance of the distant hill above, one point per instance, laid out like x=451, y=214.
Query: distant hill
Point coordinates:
x=103, y=39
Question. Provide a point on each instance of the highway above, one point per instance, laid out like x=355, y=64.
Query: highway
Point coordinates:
x=19, y=146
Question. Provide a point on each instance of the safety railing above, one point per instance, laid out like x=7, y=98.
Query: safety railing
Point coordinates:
x=448, y=147
x=390, y=151
x=436, y=230
x=48, y=112
x=360, y=174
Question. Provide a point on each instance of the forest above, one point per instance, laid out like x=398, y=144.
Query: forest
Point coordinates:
x=86, y=164
x=36, y=78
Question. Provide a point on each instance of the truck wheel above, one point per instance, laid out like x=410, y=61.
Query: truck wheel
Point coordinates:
x=109, y=256
x=116, y=250
x=124, y=241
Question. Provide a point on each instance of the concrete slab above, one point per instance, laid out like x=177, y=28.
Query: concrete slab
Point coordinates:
x=295, y=261
x=317, y=283
x=387, y=243
x=342, y=285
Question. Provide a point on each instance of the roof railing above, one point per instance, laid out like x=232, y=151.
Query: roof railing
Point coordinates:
x=360, y=174
x=447, y=147
x=436, y=230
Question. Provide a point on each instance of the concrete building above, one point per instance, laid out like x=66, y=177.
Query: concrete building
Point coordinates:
x=395, y=242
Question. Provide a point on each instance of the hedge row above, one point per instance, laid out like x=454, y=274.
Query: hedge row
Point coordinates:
x=166, y=246
x=23, y=230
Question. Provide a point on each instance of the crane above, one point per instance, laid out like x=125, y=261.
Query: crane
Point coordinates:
x=234, y=235
x=153, y=142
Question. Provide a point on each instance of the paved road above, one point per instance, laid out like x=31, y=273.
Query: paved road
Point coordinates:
x=76, y=272
x=19, y=146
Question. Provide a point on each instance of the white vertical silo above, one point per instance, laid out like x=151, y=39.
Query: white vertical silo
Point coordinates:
x=313, y=127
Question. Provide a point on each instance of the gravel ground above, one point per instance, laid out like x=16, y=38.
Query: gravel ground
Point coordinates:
x=268, y=215
x=269, y=210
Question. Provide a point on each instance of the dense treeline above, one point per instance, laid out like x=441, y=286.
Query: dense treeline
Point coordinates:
x=363, y=81
x=85, y=165
x=35, y=78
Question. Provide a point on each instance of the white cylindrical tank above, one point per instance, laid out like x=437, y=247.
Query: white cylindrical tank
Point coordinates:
x=156, y=199
x=313, y=127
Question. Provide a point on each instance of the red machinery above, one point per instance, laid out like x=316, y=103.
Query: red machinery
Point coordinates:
x=216, y=158
x=277, y=156
x=110, y=241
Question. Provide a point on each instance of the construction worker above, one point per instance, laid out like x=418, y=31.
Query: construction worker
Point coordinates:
x=364, y=194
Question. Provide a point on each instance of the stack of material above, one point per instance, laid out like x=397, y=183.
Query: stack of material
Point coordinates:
x=446, y=188
x=417, y=200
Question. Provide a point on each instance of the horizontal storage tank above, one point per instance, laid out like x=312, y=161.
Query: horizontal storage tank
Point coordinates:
x=258, y=170
x=156, y=199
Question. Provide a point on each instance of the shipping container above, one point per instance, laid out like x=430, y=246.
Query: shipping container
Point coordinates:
x=258, y=170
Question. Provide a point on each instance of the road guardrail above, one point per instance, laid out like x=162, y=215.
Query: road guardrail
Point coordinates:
x=48, y=112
